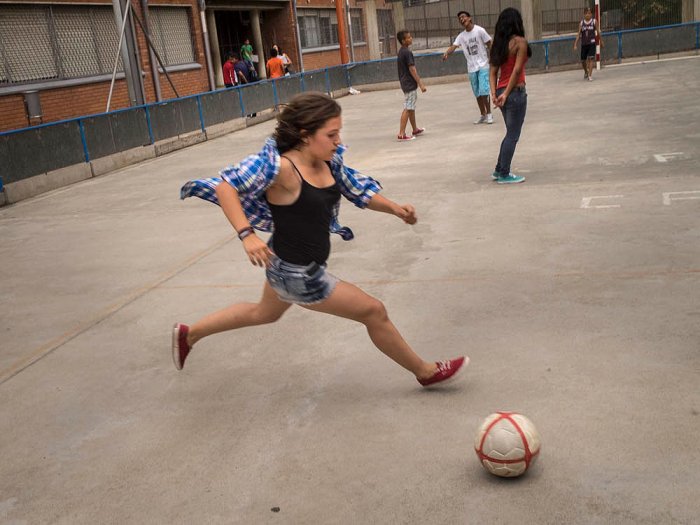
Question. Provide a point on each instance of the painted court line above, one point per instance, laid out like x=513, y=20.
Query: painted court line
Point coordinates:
x=52, y=345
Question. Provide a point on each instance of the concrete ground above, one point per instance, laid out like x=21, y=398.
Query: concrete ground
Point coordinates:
x=575, y=295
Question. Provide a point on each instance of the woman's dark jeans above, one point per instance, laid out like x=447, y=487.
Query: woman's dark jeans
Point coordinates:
x=514, y=115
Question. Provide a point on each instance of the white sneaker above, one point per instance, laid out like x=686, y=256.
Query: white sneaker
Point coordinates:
x=480, y=120
x=489, y=118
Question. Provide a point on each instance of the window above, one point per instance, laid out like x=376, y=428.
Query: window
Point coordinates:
x=56, y=42
x=172, y=34
x=319, y=27
x=60, y=42
x=358, y=30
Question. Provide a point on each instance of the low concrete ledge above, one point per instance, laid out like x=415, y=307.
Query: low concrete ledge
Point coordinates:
x=33, y=186
x=122, y=159
x=217, y=130
x=181, y=141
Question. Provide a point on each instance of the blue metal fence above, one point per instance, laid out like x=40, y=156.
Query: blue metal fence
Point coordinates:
x=38, y=149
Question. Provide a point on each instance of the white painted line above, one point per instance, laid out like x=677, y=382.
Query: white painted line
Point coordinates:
x=665, y=157
x=586, y=201
x=668, y=197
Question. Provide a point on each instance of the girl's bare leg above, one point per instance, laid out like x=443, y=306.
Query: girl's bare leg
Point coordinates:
x=268, y=310
x=349, y=301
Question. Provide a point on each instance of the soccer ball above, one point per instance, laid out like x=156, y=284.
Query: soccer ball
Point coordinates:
x=507, y=444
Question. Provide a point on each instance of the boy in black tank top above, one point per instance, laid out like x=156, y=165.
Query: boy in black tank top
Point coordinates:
x=588, y=32
x=296, y=183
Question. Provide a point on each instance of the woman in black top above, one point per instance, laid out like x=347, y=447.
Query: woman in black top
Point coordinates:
x=302, y=198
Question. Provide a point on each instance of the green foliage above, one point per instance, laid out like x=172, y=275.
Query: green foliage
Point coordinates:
x=645, y=13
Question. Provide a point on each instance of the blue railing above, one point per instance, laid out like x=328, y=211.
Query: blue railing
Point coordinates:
x=55, y=145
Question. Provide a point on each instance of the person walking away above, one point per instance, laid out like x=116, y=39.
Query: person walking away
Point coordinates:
x=229, y=71
x=275, y=67
x=476, y=46
x=410, y=81
x=241, y=70
x=509, y=55
x=293, y=188
x=587, y=33
x=285, y=60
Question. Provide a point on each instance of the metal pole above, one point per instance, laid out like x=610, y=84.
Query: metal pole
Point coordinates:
x=341, y=32
x=425, y=21
x=296, y=24
x=125, y=55
x=597, y=40
x=153, y=48
x=207, y=49
x=152, y=57
x=349, y=21
x=449, y=22
x=133, y=50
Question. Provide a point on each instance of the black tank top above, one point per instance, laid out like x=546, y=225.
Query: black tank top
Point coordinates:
x=302, y=228
x=588, y=31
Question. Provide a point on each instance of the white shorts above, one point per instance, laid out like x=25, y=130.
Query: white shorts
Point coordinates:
x=409, y=100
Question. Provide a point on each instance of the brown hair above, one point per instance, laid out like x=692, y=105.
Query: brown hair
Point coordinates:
x=302, y=116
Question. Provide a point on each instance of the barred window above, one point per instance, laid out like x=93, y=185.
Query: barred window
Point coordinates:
x=319, y=27
x=171, y=30
x=56, y=42
x=358, y=30
x=308, y=31
x=61, y=42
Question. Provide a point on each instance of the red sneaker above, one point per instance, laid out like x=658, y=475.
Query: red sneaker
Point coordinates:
x=180, y=347
x=404, y=138
x=447, y=372
x=418, y=131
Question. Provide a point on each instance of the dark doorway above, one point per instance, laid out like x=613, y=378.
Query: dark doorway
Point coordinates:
x=233, y=27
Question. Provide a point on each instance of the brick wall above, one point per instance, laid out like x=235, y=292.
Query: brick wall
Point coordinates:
x=321, y=59
x=277, y=28
x=329, y=58
x=85, y=99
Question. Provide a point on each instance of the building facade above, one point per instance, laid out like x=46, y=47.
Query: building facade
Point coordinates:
x=57, y=59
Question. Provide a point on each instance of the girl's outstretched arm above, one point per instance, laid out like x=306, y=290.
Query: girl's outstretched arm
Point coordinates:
x=405, y=212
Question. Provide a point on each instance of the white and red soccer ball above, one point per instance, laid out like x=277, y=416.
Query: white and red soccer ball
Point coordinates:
x=507, y=444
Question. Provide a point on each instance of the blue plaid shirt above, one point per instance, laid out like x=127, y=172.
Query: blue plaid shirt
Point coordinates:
x=252, y=176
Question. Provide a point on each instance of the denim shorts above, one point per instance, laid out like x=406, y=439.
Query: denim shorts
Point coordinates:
x=299, y=284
